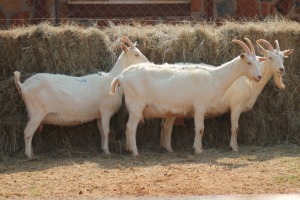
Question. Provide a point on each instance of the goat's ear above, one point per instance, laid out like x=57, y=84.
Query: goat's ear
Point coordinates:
x=287, y=52
x=125, y=48
x=242, y=55
x=260, y=59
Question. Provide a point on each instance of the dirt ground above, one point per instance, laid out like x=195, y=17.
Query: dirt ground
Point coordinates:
x=254, y=170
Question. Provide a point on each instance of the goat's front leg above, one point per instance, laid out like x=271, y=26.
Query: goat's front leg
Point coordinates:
x=166, y=133
x=199, y=130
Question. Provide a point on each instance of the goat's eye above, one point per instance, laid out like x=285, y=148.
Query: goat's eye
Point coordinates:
x=270, y=58
x=249, y=63
x=136, y=55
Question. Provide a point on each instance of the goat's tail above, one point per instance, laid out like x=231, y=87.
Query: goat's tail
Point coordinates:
x=17, y=75
x=113, y=85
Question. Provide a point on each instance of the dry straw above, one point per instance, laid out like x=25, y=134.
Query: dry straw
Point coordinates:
x=75, y=50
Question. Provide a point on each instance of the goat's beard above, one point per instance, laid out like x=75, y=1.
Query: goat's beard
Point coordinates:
x=278, y=81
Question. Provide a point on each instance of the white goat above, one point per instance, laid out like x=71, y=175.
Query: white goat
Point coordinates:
x=67, y=100
x=241, y=95
x=152, y=91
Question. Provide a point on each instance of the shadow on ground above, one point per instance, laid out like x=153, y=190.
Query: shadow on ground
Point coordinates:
x=148, y=157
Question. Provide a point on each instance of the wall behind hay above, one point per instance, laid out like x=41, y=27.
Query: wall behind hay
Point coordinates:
x=78, y=51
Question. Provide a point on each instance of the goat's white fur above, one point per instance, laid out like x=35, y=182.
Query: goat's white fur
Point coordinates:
x=155, y=91
x=67, y=100
x=240, y=96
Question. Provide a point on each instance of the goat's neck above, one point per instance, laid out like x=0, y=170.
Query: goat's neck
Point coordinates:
x=119, y=66
x=227, y=73
x=266, y=75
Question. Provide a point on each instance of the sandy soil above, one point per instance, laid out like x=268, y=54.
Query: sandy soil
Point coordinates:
x=254, y=170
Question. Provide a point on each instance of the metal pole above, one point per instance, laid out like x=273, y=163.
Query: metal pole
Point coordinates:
x=57, y=16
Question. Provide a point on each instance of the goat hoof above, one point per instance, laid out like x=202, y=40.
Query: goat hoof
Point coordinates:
x=106, y=152
x=32, y=159
x=168, y=150
x=129, y=151
x=135, y=155
x=198, y=151
x=234, y=149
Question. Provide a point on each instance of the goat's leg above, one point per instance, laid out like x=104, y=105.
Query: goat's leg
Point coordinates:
x=105, y=118
x=99, y=124
x=199, y=130
x=31, y=127
x=166, y=133
x=162, y=133
x=235, y=115
x=131, y=127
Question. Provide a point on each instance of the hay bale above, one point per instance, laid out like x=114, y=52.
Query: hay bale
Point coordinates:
x=77, y=51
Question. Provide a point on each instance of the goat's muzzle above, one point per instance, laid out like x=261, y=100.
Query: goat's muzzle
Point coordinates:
x=258, y=78
x=281, y=71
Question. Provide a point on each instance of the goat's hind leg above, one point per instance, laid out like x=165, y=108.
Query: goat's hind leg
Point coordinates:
x=199, y=130
x=166, y=133
x=99, y=124
x=103, y=125
x=29, y=131
x=131, y=128
x=235, y=115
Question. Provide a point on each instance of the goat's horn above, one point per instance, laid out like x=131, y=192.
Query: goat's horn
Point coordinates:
x=269, y=46
x=246, y=48
x=125, y=39
x=251, y=45
x=260, y=47
x=277, y=45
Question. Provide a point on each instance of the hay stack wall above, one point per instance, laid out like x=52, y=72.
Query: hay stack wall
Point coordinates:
x=77, y=51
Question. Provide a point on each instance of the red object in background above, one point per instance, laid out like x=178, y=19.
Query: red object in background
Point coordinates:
x=284, y=6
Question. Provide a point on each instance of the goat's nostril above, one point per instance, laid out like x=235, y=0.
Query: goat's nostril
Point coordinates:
x=281, y=70
x=259, y=77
